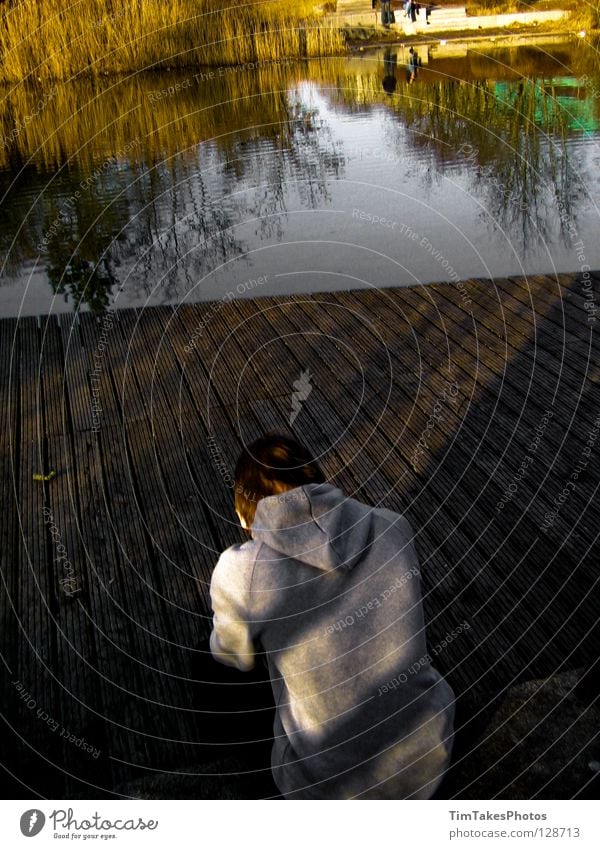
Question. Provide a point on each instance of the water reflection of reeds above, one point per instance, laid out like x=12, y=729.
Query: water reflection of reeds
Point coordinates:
x=91, y=119
x=165, y=177
x=136, y=172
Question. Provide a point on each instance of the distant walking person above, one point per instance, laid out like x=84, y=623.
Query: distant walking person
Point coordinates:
x=328, y=591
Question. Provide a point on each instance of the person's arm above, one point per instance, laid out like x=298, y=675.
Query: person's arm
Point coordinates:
x=231, y=640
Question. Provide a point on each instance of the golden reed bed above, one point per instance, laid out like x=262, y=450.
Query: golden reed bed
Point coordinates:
x=58, y=39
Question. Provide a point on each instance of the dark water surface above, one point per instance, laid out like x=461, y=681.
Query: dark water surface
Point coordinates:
x=329, y=174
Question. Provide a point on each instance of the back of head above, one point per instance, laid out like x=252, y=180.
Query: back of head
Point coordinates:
x=270, y=465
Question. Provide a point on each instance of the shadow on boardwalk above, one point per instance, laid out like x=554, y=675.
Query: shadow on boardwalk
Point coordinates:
x=440, y=402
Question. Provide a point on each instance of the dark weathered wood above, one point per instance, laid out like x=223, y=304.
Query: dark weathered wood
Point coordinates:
x=75, y=667
x=143, y=496
x=516, y=321
x=103, y=405
x=128, y=624
x=76, y=662
x=35, y=604
x=123, y=358
x=10, y=635
x=471, y=420
x=75, y=372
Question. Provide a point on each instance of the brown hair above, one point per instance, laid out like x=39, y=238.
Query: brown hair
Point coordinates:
x=269, y=465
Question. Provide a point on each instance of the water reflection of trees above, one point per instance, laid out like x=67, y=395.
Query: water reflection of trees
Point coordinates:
x=169, y=179
x=510, y=138
x=124, y=188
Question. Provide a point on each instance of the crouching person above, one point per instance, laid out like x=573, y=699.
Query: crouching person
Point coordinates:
x=328, y=589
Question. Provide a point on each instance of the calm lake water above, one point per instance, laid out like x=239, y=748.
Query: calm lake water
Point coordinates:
x=329, y=174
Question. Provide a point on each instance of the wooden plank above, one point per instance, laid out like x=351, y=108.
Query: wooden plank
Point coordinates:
x=518, y=425
x=124, y=357
x=174, y=581
x=203, y=434
x=74, y=641
x=471, y=441
x=230, y=363
x=516, y=318
x=573, y=282
x=287, y=354
x=187, y=336
x=510, y=422
x=210, y=506
x=210, y=459
x=561, y=307
x=75, y=367
x=10, y=633
x=169, y=553
x=480, y=354
x=140, y=378
x=104, y=407
x=56, y=412
x=170, y=394
x=558, y=586
x=181, y=488
x=81, y=712
x=9, y=360
x=574, y=351
x=126, y=701
x=556, y=452
x=34, y=603
x=398, y=293
x=460, y=662
x=488, y=357
x=579, y=313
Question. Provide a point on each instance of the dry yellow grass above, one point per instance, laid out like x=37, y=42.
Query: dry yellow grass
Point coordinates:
x=584, y=14
x=59, y=39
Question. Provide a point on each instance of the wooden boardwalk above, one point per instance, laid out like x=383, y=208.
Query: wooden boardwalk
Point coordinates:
x=436, y=401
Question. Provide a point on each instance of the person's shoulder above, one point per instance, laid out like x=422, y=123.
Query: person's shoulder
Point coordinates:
x=234, y=570
x=237, y=558
x=398, y=520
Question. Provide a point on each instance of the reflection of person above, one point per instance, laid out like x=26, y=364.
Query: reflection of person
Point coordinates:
x=389, y=67
x=413, y=64
x=328, y=589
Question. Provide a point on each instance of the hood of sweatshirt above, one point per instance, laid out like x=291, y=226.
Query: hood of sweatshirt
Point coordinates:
x=316, y=524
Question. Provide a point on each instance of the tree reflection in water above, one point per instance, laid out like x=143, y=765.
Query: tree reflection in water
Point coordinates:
x=509, y=135
x=169, y=184
x=121, y=190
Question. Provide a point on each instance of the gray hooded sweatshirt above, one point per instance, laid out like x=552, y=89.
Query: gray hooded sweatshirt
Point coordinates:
x=330, y=589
